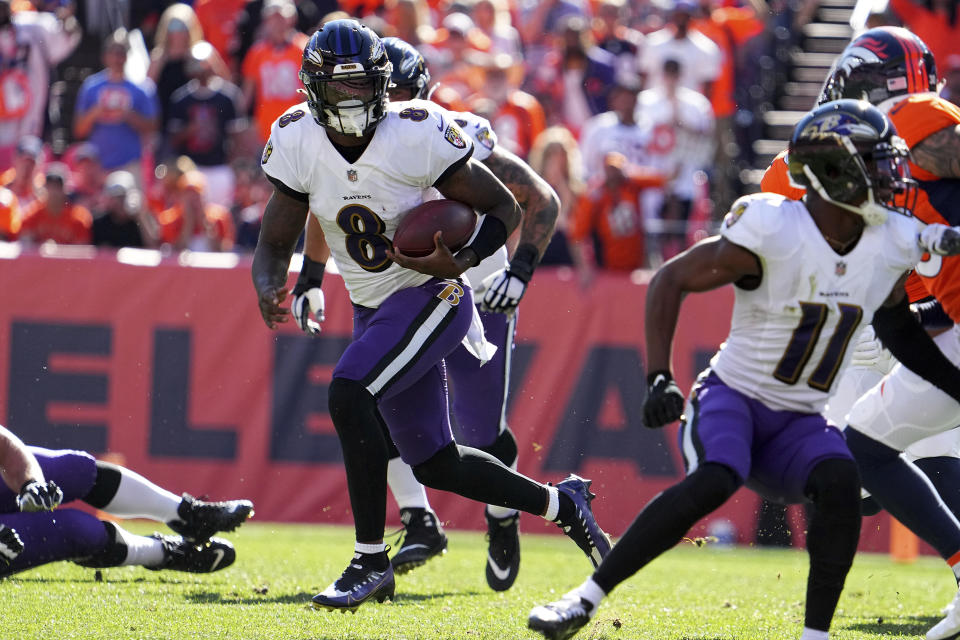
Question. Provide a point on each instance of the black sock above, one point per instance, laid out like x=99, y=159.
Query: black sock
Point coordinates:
x=104, y=486
x=905, y=492
x=479, y=476
x=832, y=536
x=377, y=561
x=365, y=455
x=664, y=522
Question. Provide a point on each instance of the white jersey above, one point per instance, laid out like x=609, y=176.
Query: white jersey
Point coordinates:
x=789, y=336
x=484, y=141
x=360, y=204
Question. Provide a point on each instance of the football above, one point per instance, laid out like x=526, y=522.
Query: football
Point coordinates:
x=414, y=234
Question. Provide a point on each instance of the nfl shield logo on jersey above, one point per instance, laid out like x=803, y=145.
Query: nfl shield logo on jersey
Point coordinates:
x=841, y=268
x=351, y=175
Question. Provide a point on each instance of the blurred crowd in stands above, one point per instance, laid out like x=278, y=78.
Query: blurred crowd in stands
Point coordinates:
x=140, y=122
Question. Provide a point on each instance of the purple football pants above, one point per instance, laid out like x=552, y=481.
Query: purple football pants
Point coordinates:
x=480, y=392
x=397, y=354
x=772, y=451
x=62, y=534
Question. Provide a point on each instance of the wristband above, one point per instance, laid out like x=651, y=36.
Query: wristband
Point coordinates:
x=524, y=261
x=652, y=377
x=491, y=235
x=931, y=315
x=311, y=275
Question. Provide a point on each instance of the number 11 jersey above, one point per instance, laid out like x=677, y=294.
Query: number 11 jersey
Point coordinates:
x=789, y=336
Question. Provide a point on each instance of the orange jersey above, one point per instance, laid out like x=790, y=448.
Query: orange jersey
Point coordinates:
x=918, y=116
x=776, y=179
x=275, y=75
x=616, y=218
x=71, y=226
x=518, y=122
x=218, y=18
x=220, y=221
x=729, y=28
x=9, y=215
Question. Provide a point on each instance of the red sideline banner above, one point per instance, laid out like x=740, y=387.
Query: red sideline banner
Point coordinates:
x=172, y=367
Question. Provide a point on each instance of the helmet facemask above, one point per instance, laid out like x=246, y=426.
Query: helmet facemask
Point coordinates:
x=349, y=99
x=880, y=180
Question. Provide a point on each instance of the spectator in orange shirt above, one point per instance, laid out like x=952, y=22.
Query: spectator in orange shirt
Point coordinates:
x=515, y=115
x=22, y=178
x=609, y=218
x=194, y=224
x=218, y=19
x=53, y=216
x=272, y=66
x=9, y=215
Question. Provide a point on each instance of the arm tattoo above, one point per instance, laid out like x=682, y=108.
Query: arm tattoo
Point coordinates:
x=939, y=153
x=539, y=202
x=283, y=221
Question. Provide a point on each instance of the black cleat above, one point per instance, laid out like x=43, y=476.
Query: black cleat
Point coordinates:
x=423, y=538
x=503, y=551
x=182, y=555
x=358, y=584
x=584, y=530
x=199, y=519
x=561, y=619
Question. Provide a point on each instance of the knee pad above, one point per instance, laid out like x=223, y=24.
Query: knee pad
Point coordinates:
x=834, y=485
x=504, y=448
x=438, y=471
x=704, y=490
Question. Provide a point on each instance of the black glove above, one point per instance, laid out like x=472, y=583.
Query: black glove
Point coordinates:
x=664, y=401
x=39, y=496
x=10, y=545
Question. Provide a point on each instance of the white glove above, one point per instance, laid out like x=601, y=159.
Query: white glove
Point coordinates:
x=11, y=545
x=503, y=291
x=869, y=352
x=940, y=240
x=39, y=496
x=310, y=301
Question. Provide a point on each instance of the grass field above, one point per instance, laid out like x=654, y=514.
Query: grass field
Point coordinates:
x=689, y=594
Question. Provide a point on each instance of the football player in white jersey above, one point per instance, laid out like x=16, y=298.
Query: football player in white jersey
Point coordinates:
x=808, y=276
x=359, y=172
x=480, y=392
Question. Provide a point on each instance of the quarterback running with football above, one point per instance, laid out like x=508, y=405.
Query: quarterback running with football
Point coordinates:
x=358, y=164
x=480, y=389
x=34, y=530
x=808, y=276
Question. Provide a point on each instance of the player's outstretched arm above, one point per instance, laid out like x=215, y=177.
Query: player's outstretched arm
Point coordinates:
x=541, y=207
x=900, y=331
x=22, y=474
x=939, y=153
x=474, y=185
x=283, y=221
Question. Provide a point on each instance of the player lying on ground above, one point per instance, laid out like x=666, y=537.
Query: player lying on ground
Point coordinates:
x=808, y=276
x=359, y=172
x=34, y=531
x=480, y=392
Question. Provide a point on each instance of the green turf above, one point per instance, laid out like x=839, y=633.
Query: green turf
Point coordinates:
x=691, y=594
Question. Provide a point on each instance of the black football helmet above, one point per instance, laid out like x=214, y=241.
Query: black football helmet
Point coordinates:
x=848, y=152
x=879, y=64
x=409, y=69
x=345, y=71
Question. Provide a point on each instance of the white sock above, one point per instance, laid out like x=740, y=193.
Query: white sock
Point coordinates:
x=141, y=550
x=553, y=504
x=361, y=547
x=813, y=634
x=408, y=493
x=591, y=592
x=137, y=497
